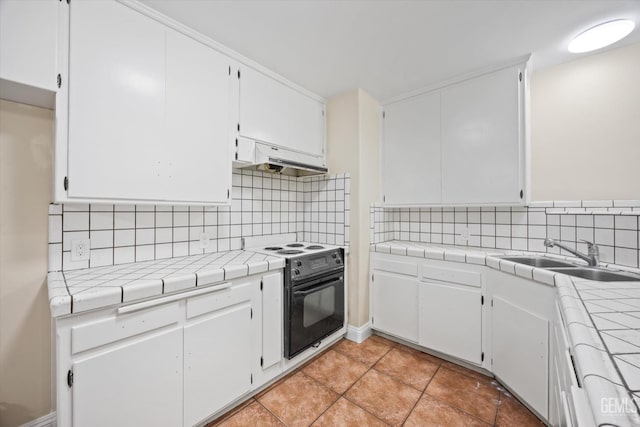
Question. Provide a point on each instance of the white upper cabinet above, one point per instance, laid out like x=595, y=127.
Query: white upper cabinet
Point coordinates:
x=28, y=51
x=275, y=113
x=116, y=103
x=148, y=110
x=197, y=121
x=482, y=140
x=411, y=151
x=462, y=143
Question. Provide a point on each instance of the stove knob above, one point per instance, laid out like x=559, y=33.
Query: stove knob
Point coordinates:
x=297, y=271
x=334, y=255
x=338, y=261
x=298, y=263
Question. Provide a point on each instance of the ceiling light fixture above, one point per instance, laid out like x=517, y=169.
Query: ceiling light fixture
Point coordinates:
x=601, y=35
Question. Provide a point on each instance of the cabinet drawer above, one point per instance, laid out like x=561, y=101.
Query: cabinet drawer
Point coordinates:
x=226, y=296
x=94, y=334
x=469, y=278
x=393, y=266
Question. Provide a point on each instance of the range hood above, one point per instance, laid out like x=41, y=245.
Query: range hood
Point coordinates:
x=257, y=155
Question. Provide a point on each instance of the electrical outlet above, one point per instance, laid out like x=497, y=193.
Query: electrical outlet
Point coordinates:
x=204, y=240
x=465, y=235
x=80, y=249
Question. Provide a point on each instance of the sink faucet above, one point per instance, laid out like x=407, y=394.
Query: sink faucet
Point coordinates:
x=593, y=257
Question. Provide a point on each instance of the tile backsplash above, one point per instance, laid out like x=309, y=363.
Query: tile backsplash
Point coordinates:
x=614, y=226
x=315, y=207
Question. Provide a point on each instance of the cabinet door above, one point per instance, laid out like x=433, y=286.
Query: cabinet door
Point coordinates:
x=116, y=102
x=274, y=113
x=482, y=142
x=28, y=42
x=520, y=346
x=411, y=151
x=395, y=306
x=197, y=148
x=272, y=317
x=218, y=354
x=450, y=320
x=133, y=384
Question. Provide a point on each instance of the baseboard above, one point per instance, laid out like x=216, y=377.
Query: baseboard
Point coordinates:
x=48, y=420
x=359, y=334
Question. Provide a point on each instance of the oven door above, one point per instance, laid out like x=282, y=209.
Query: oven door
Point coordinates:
x=316, y=310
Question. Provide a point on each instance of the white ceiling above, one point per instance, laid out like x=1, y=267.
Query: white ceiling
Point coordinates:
x=390, y=47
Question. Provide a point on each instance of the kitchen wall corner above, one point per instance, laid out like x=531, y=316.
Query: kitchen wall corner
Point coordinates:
x=353, y=145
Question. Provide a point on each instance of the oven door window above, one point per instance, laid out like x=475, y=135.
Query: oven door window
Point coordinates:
x=318, y=306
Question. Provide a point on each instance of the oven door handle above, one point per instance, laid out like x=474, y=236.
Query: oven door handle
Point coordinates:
x=314, y=289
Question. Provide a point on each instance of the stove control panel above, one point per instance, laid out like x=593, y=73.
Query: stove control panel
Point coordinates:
x=310, y=265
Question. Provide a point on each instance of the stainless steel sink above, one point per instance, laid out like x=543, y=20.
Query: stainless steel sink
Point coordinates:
x=598, y=274
x=541, y=262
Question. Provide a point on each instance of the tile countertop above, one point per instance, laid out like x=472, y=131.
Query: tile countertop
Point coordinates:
x=602, y=318
x=77, y=291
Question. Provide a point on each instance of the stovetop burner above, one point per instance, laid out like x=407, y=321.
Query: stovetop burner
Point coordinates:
x=272, y=248
x=290, y=251
x=295, y=245
x=314, y=247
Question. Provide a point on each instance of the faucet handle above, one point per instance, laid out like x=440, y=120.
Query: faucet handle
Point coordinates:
x=589, y=244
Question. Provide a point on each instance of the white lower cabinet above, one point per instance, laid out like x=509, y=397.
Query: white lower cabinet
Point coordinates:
x=219, y=348
x=568, y=404
x=520, y=349
x=395, y=305
x=174, y=363
x=506, y=324
x=450, y=320
x=130, y=384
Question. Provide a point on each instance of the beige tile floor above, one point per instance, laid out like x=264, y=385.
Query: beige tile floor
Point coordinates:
x=380, y=383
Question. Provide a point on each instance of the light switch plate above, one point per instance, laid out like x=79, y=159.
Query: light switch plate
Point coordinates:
x=80, y=249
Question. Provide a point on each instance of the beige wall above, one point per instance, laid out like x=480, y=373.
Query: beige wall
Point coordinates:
x=25, y=334
x=369, y=124
x=353, y=146
x=585, y=128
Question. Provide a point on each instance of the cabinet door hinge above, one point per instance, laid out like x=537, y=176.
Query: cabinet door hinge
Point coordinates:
x=59, y=80
x=520, y=76
x=372, y=320
x=238, y=73
x=491, y=302
x=261, y=284
x=521, y=194
x=383, y=114
x=251, y=378
x=236, y=142
x=261, y=361
x=236, y=155
x=252, y=313
x=372, y=278
x=70, y=378
x=228, y=193
x=66, y=183
x=384, y=199
x=482, y=356
x=229, y=69
x=238, y=127
x=481, y=299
